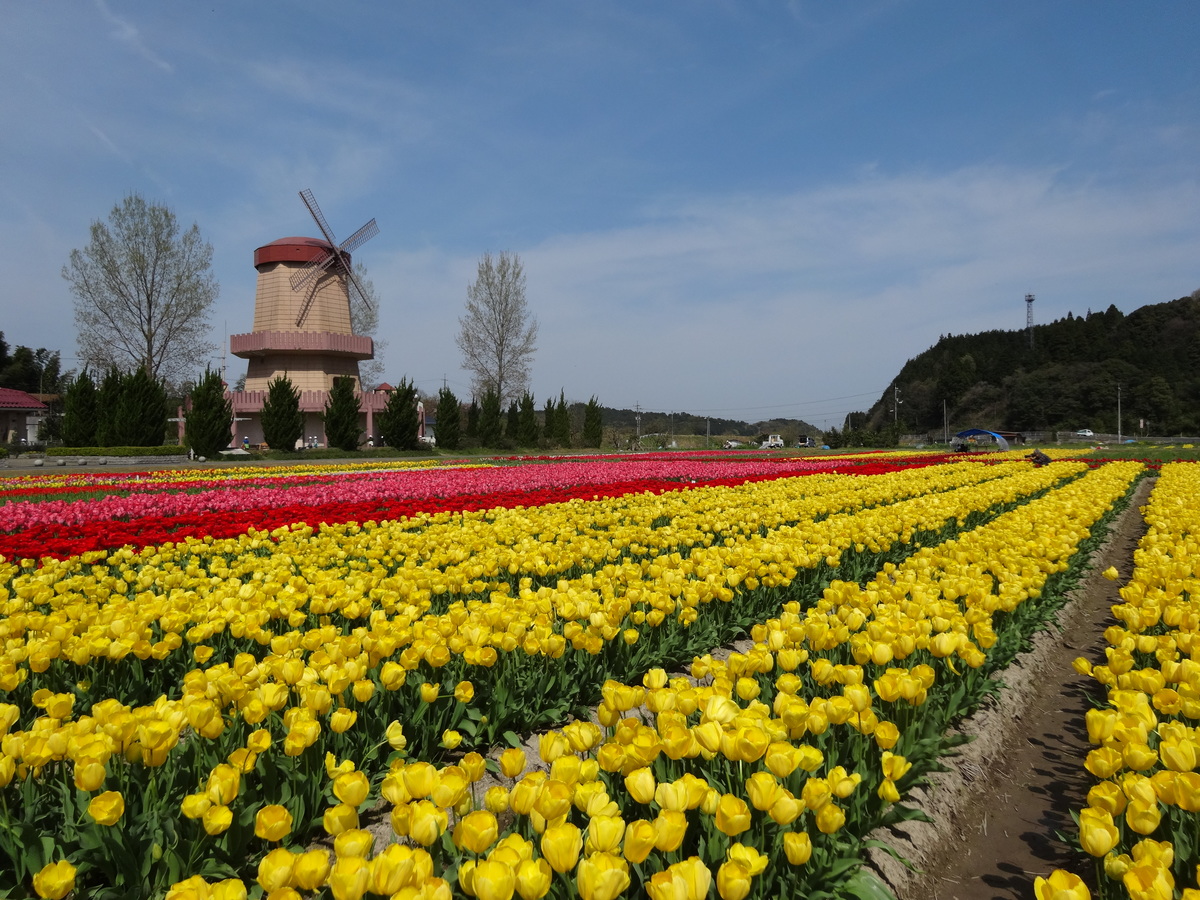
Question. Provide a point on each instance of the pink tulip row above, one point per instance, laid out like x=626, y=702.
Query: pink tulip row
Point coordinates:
x=418, y=484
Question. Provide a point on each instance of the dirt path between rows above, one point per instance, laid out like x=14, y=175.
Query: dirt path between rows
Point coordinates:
x=1000, y=809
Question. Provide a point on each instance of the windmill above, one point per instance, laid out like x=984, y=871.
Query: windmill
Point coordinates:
x=336, y=259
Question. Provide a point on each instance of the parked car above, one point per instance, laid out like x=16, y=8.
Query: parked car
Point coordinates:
x=1085, y=432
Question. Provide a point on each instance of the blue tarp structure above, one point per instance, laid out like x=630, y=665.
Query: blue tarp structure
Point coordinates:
x=979, y=432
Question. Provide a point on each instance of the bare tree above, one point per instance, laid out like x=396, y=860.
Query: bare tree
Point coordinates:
x=364, y=319
x=143, y=293
x=498, y=335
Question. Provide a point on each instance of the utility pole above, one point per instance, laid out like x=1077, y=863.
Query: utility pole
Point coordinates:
x=896, y=404
x=1118, y=412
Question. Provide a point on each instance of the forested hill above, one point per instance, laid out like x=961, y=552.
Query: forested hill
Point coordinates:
x=1067, y=380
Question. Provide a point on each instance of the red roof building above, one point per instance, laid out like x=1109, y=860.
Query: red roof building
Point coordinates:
x=20, y=415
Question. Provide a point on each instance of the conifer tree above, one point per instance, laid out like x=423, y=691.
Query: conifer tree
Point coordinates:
x=208, y=427
x=549, y=417
x=489, y=419
x=593, y=423
x=473, y=422
x=108, y=397
x=449, y=420
x=341, y=415
x=527, y=426
x=79, y=413
x=398, y=423
x=562, y=422
x=141, y=413
x=282, y=421
x=513, y=422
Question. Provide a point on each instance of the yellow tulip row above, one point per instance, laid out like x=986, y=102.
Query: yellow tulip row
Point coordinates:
x=386, y=575
x=716, y=759
x=338, y=661
x=1142, y=819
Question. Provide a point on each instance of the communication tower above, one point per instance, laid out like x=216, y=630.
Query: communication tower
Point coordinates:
x=1029, y=318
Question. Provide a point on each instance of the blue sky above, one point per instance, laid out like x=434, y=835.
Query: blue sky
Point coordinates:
x=742, y=209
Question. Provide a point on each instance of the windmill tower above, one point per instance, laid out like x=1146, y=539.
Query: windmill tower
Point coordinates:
x=302, y=310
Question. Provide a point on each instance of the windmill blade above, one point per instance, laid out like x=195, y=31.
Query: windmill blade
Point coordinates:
x=308, y=302
x=312, y=270
x=360, y=237
x=315, y=211
x=362, y=295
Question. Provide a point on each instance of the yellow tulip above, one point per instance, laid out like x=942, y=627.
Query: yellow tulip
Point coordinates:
x=553, y=800
x=495, y=799
x=1061, y=885
x=533, y=879
x=451, y=739
x=195, y=805
x=561, y=845
x=311, y=869
x=428, y=822
x=512, y=762
x=89, y=775
x=107, y=808
x=54, y=880
x=235, y=889
x=275, y=869
x=797, y=846
x=419, y=778
x=353, y=842
x=217, y=819
x=349, y=878
x=733, y=815
x=830, y=818
x=1143, y=817
x=342, y=720
x=640, y=836
x=1097, y=833
x=1148, y=882
x=339, y=818
x=641, y=785
x=602, y=876
x=395, y=736
x=733, y=880
x=755, y=862
x=464, y=692
x=493, y=880
x=352, y=788
x=763, y=790
x=273, y=823
x=476, y=831
x=667, y=885
x=670, y=826
x=223, y=784
x=1108, y=796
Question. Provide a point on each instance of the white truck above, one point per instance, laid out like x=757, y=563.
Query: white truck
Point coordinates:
x=773, y=442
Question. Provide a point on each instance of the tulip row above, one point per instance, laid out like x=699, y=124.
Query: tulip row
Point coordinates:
x=148, y=736
x=1142, y=821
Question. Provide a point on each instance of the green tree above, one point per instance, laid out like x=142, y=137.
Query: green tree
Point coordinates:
x=449, y=420
x=143, y=292
x=512, y=422
x=208, y=423
x=341, y=415
x=527, y=423
x=489, y=419
x=549, y=422
x=398, y=423
x=79, y=412
x=108, y=397
x=593, y=423
x=282, y=421
x=473, y=422
x=141, y=414
x=562, y=422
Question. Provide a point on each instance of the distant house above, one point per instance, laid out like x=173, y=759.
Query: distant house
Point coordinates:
x=20, y=416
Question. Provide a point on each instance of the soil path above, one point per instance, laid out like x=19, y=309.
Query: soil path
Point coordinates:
x=1009, y=794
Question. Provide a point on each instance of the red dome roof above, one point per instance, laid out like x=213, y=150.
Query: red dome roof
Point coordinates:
x=291, y=249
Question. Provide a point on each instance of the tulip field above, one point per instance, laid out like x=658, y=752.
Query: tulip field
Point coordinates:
x=512, y=678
